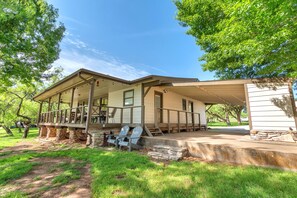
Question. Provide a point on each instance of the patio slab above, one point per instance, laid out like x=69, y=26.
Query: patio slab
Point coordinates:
x=230, y=146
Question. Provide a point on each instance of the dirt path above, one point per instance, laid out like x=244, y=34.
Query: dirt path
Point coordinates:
x=47, y=178
x=39, y=182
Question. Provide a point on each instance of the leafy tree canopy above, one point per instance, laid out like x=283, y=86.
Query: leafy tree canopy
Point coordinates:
x=29, y=40
x=244, y=39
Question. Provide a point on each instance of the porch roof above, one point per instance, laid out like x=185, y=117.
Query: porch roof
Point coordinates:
x=214, y=92
x=82, y=75
x=223, y=91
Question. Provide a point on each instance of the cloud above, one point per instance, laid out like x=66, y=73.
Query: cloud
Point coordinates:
x=72, y=61
x=77, y=54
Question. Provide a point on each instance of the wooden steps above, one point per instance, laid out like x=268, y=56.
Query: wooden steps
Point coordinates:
x=153, y=130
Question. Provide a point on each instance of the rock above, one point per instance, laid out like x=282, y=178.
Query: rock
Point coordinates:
x=166, y=152
x=284, y=138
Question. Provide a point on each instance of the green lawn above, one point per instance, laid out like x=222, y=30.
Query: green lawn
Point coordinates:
x=6, y=140
x=222, y=124
x=116, y=174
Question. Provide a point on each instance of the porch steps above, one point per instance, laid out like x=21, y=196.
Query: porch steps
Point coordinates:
x=153, y=131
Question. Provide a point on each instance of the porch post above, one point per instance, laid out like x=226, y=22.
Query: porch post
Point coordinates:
x=58, y=112
x=39, y=112
x=90, y=104
x=48, y=110
x=71, y=104
x=247, y=103
x=142, y=105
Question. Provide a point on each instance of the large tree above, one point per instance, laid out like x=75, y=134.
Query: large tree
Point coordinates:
x=29, y=40
x=243, y=39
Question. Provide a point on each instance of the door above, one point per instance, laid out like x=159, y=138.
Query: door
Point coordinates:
x=191, y=109
x=158, y=106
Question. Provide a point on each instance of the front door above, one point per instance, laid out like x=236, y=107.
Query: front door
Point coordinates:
x=158, y=107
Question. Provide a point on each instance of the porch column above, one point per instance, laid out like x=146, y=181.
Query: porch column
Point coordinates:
x=58, y=112
x=48, y=110
x=142, y=106
x=39, y=112
x=90, y=104
x=247, y=103
x=71, y=104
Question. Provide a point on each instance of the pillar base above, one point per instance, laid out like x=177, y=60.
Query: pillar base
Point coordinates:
x=51, y=132
x=60, y=134
x=42, y=131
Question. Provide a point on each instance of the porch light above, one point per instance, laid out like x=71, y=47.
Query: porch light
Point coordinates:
x=97, y=83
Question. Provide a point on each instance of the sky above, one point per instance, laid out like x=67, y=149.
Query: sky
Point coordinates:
x=127, y=38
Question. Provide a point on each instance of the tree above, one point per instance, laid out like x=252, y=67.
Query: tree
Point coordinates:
x=222, y=113
x=16, y=104
x=29, y=41
x=243, y=39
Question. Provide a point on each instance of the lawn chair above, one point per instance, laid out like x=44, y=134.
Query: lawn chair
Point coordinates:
x=131, y=141
x=114, y=139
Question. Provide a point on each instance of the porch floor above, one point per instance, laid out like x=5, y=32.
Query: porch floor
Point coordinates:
x=234, y=146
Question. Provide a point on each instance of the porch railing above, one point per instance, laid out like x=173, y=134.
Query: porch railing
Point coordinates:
x=179, y=117
x=99, y=115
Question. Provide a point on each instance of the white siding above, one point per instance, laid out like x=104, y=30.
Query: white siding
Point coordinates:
x=115, y=99
x=172, y=100
x=270, y=109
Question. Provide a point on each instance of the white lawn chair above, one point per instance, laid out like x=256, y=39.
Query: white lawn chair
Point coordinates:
x=131, y=141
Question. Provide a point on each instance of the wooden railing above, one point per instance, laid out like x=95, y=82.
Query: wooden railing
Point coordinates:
x=99, y=115
x=191, y=119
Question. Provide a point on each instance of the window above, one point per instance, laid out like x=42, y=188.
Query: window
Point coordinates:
x=184, y=104
x=129, y=98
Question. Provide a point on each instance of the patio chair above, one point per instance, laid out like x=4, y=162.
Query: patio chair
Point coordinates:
x=114, y=139
x=131, y=141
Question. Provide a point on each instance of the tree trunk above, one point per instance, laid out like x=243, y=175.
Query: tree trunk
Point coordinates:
x=238, y=118
x=18, y=127
x=7, y=129
x=227, y=119
x=26, y=130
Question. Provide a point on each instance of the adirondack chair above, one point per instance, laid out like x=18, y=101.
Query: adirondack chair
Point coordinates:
x=114, y=139
x=131, y=141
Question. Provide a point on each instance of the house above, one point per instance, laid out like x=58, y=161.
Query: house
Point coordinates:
x=90, y=103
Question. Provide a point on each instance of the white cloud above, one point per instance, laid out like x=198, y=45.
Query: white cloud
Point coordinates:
x=72, y=61
x=77, y=54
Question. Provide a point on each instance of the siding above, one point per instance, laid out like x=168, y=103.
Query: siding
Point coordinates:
x=270, y=109
x=115, y=99
x=171, y=100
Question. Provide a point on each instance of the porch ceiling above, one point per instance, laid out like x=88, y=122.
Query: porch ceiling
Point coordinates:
x=212, y=92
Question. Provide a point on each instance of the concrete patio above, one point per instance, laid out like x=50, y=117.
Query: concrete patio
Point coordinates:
x=232, y=146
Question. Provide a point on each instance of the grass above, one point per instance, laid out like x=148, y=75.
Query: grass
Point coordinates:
x=71, y=171
x=116, y=174
x=223, y=124
x=6, y=140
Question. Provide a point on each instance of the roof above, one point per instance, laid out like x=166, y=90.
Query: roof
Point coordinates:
x=78, y=76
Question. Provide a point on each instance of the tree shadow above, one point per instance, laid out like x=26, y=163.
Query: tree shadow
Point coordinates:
x=284, y=104
x=271, y=83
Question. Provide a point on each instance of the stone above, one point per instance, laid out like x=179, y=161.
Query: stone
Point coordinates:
x=165, y=152
x=51, y=132
x=42, y=131
x=61, y=134
x=96, y=139
x=253, y=132
x=284, y=138
x=73, y=135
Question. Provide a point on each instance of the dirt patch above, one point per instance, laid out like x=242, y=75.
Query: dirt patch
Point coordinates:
x=47, y=180
x=39, y=145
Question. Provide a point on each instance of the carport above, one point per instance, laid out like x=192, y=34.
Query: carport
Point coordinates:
x=270, y=102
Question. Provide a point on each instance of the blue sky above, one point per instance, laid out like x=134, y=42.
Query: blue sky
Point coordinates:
x=127, y=38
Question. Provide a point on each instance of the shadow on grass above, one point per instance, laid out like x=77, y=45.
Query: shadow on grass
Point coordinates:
x=133, y=175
